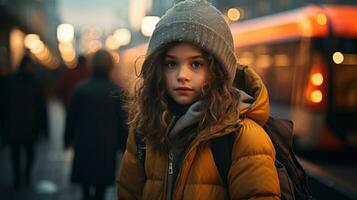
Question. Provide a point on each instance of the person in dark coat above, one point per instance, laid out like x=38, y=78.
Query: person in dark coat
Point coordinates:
x=95, y=127
x=3, y=87
x=25, y=117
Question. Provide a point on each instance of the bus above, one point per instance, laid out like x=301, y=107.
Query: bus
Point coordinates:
x=307, y=58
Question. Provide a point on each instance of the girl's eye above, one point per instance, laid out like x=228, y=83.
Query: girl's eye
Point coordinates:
x=197, y=64
x=170, y=64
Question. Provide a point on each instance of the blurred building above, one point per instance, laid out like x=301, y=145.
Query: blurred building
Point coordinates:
x=256, y=8
x=21, y=17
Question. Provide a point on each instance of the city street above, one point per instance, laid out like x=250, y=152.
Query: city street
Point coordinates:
x=50, y=177
x=51, y=172
x=178, y=65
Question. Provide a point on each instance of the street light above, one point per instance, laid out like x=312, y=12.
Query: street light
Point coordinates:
x=234, y=14
x=122, y=36
x=148, y=25
x=111, y=43
x=30, y=40
x=65, y=33
x=37, y=47
x=65, y=47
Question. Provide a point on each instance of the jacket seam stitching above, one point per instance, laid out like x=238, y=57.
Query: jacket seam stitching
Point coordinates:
x=253, y=155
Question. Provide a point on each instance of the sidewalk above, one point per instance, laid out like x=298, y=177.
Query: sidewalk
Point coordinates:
x=50, y=175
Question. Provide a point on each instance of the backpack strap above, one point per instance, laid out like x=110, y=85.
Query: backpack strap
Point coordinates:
x=221, y=148
x=141, y=148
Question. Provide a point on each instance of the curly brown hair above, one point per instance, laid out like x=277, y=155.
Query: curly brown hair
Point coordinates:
x=149, y=112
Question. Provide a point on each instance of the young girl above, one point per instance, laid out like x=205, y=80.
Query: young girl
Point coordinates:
x=187, y=98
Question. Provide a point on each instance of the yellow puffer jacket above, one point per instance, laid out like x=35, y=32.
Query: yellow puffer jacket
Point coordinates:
x=252, y=174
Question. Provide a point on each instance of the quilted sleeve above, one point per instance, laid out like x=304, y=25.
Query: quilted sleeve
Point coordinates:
x=253, y=174
x=131, y=179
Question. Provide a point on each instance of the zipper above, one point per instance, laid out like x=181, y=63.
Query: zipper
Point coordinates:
x=171, y=163
x=171, y=159
x=170, y=177
x=170, y=169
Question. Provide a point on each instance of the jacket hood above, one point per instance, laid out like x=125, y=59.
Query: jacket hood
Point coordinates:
x=254, y=101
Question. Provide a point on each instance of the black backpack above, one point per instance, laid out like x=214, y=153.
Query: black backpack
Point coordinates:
x=292, y=177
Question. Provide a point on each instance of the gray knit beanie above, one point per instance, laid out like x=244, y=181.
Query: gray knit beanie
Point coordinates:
x=199, y=23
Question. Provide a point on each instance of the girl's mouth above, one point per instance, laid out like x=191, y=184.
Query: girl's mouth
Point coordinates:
x=183, y=89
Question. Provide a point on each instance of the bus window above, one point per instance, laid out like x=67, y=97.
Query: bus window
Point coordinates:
x=275, y=64
x=344, y=86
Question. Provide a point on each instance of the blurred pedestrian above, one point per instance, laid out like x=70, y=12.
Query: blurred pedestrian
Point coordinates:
x=187, y=98
x=25, y=117
x=95, y=128
x=3, y=87
x=69, y=77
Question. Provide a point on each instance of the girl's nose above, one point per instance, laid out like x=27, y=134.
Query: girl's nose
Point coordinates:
x=183, y=73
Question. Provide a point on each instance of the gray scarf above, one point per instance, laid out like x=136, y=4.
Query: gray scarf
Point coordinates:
x=185, y=128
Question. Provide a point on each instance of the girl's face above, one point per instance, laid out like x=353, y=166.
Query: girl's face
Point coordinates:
x=185, y=73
